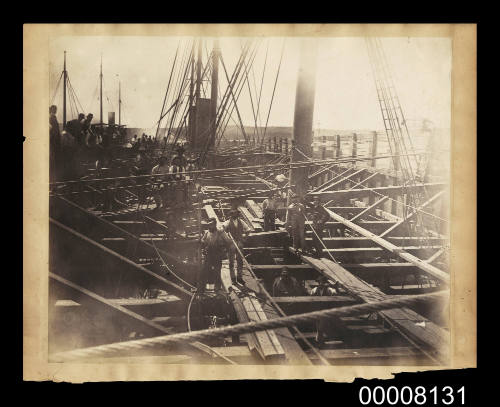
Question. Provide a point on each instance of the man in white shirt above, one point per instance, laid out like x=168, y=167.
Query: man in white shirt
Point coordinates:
x=160, y=190
x=234, y=226
x=214, y=243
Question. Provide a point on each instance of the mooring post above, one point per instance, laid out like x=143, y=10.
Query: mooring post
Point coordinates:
x=374, y=149
x=338, y=151
x=354, y=147
x=396, y=158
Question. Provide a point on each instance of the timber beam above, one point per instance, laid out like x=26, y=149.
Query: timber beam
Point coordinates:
x=421, y=264
x=364, y=192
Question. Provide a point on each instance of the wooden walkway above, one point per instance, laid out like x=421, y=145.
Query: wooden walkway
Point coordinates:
x=433, y=339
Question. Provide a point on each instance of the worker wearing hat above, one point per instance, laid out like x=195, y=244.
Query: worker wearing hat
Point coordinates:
x=215, y=244
x=234, y=227
x=318, y=216
x=324, y=325
x=269, y=207
x=286, y=286
x=296, y=223
x=160, y=193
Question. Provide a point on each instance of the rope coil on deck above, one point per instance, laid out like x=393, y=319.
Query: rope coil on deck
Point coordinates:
x=249, y=327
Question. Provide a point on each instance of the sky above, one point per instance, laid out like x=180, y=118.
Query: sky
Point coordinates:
x=345, y=97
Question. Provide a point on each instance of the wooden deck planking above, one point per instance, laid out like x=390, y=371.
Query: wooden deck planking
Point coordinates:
x=426, y=333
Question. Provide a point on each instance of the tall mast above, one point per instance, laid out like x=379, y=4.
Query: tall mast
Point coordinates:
x=64, y=92
x=198, y=74
x=194, y=139
x=119, y=103
x=191, y=96
x=100, y=97
x=304, y=111
x=213, y=93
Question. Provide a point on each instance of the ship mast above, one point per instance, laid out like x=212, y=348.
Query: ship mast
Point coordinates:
x=304, y=111
x=119, y=103
x=213, y=93
x=100, y=93
x=64, y=92
x=197, y=97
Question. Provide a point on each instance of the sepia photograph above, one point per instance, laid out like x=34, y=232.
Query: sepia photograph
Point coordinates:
x=264, y=200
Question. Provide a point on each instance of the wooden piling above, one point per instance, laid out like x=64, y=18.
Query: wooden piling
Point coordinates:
x=354, y=147
x=374, y=149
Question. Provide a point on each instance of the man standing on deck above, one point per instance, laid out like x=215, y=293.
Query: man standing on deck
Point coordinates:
x=323, y=325
x=318, y=217
x=269, y=207
x=296, y=223
x=160, y=190
x=214, y=243
x=55, y=143
x=75, y=127
x=234, y=226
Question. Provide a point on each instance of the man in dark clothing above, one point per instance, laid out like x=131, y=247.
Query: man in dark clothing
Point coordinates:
x=75, y=127
x=269, y=207
x=325, y=324
x=296, y=223
x=318, y=216
x=286, y=285
x=55, y=143
x=215, y=243
x=137, y=168
x=234, y=226
x=89, y=136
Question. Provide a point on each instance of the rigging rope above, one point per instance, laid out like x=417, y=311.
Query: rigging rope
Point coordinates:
x=274, y=89
x=249, y=327
x=57, y=87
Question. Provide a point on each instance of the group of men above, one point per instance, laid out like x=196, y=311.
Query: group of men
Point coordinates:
x=171, y=181
x=296, y=220
x=217, y=242
x=69, y=147
x=228, y=238
x=144, y=143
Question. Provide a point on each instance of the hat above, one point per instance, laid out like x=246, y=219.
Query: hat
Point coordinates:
x=280, y=178
x=322, y=280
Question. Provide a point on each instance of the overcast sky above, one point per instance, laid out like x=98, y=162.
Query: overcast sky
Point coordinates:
x=345, y=90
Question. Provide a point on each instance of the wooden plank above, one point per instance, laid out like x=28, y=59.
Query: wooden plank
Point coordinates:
x=370, y=208
x=324, y=300
x=364, y=192
x=254, y=208
x=256, y=341
x=344, y=179
x=413, y=213
x=428, y=268
x=85, y=295
x=270, y=346
x=364, y=242
x=293, y=352
x=211, y=213
x=370, y=353
x=332, y=180
x=434, y=338
x=249, y=219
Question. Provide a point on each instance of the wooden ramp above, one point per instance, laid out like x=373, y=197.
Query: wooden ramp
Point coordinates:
x=432, y=338
x=275, y=346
